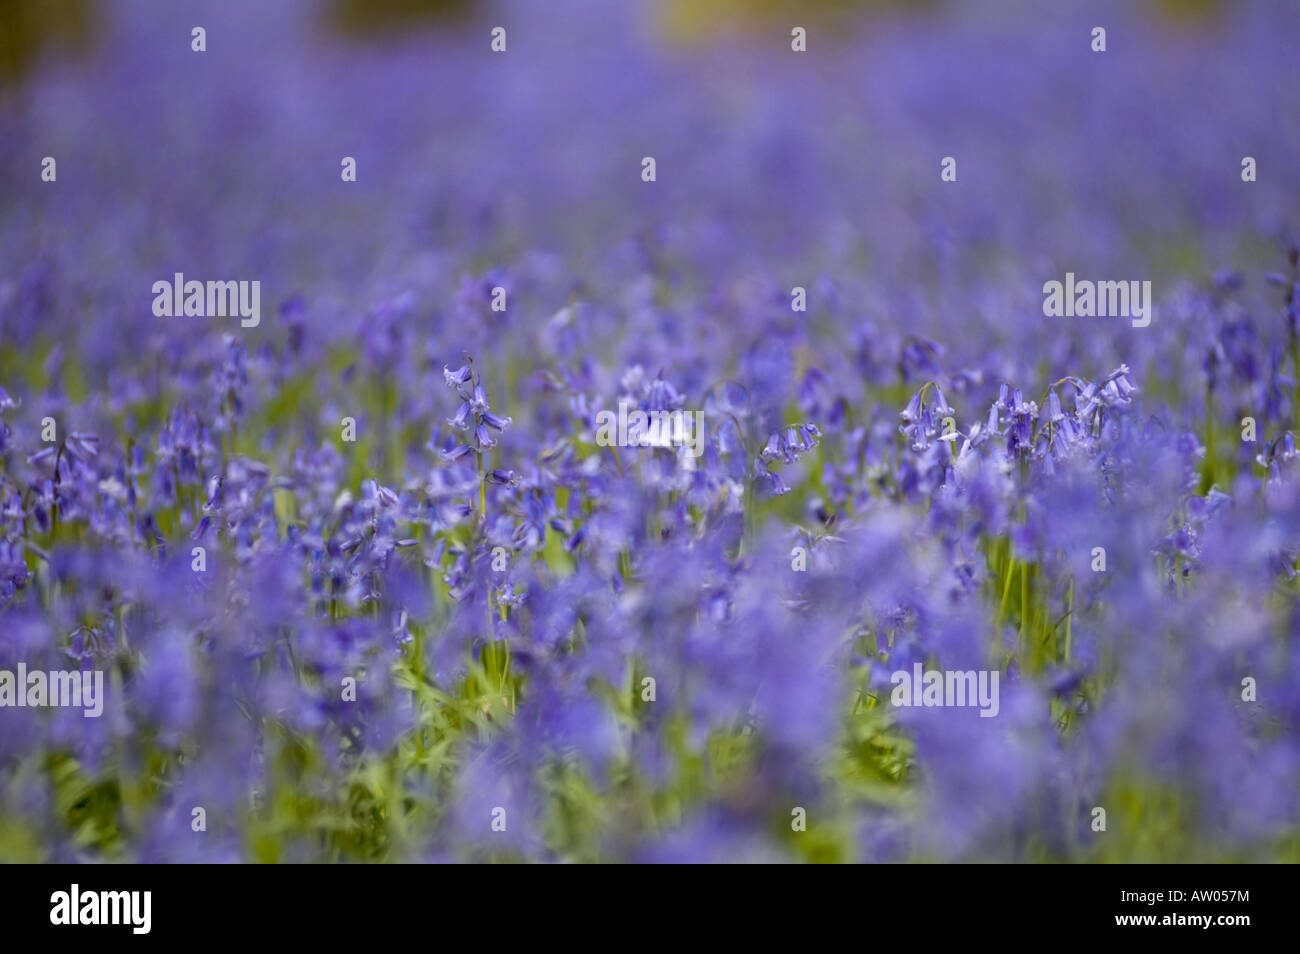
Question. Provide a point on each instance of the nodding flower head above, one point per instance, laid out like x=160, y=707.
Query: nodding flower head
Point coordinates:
x=474, y=414
x=788, y=445
x=791, y=442
x=1116, y=391
x=83, y=446
x=454, y=379
x=922, y=422
x=461, y=420
x=1053, y=411
x=662, y=396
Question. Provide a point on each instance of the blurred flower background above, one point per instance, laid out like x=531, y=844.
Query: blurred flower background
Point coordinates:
x=499, y=586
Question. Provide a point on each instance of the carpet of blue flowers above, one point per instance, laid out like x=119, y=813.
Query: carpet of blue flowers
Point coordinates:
x=473, y=632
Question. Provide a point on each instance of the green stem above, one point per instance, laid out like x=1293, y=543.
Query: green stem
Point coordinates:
x=482, y=490
x=1211, y=464
x=1006, y=587
x=496, y=668
x=1024, y=604
x=1069, y=620
x=1295, y=379
x=747, y=541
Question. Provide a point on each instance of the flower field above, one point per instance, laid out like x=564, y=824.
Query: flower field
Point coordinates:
x=377, y=566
